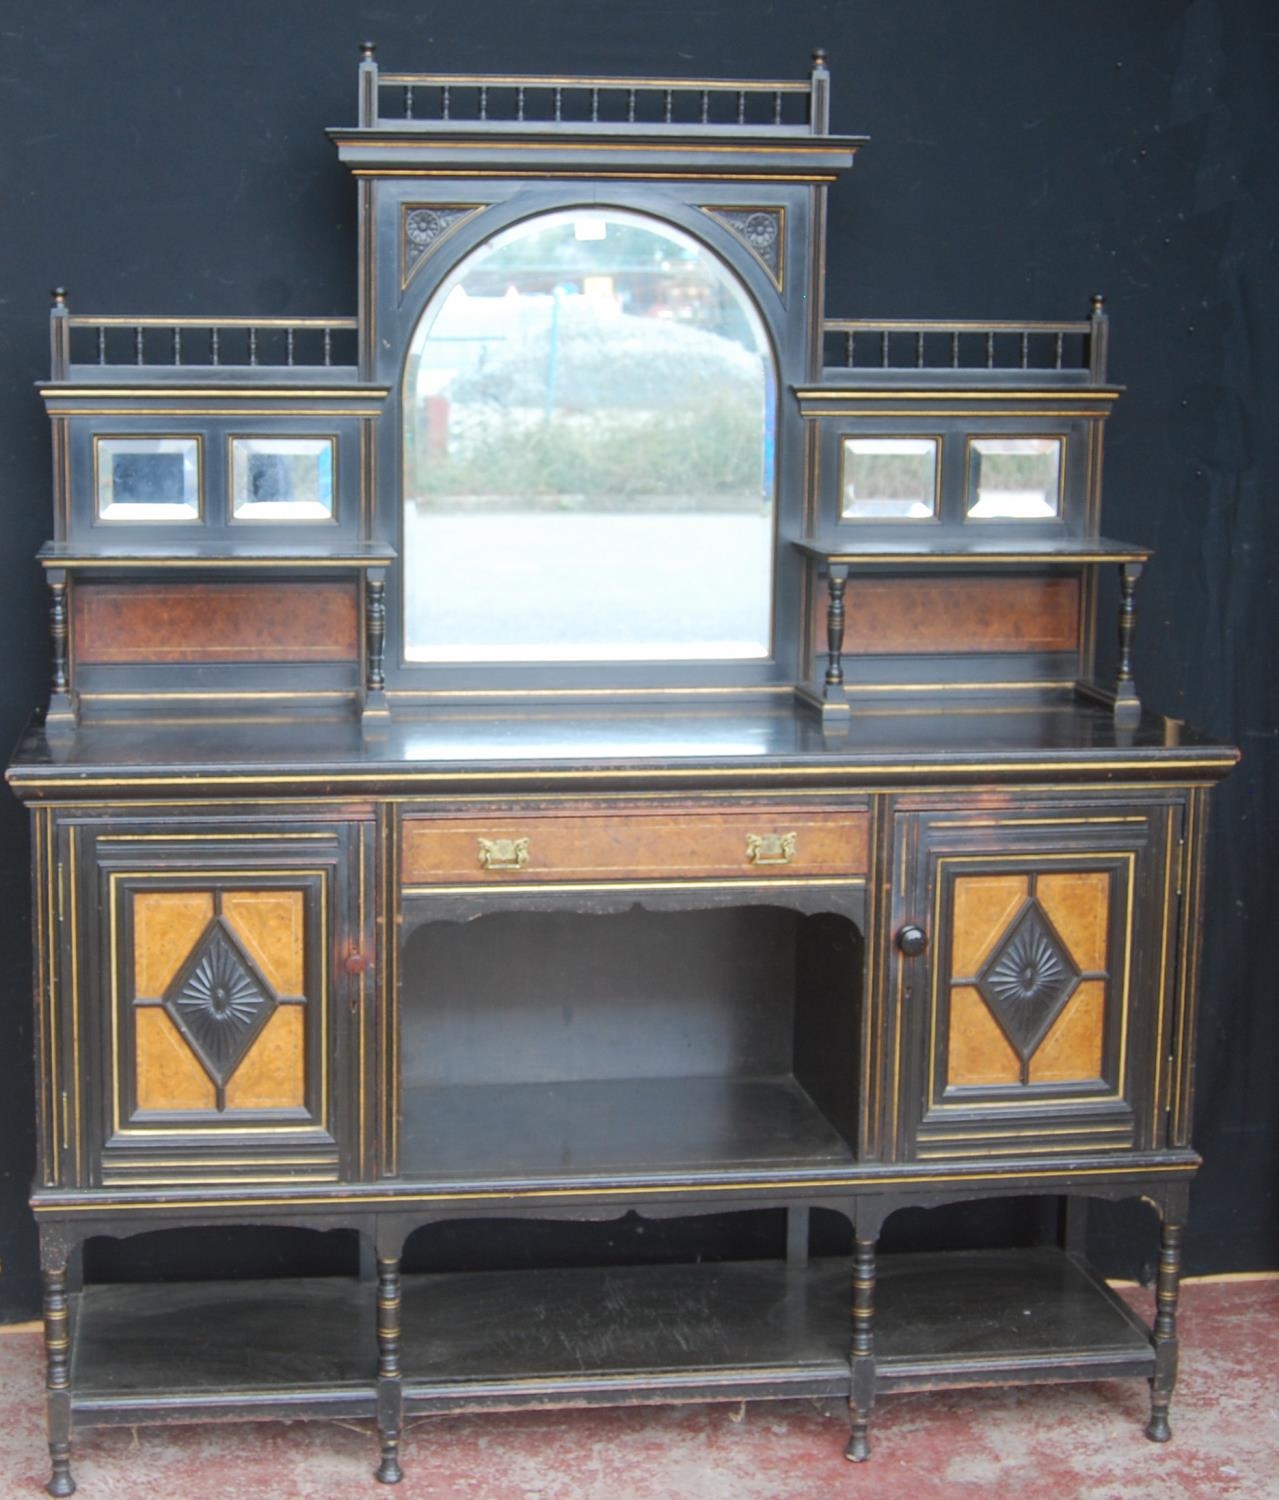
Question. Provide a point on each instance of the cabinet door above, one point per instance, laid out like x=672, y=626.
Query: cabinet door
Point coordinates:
x=1029, y=974
x=229, y=1031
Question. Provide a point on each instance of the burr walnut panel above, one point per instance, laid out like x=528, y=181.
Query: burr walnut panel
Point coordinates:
x=166, y=926
x=977, y=1049
x=208, y=622
x=1078, y=905
x=1071, y=1052
x=930, y=616
x=676, y=844
x=983, y=906
x=170, y=1077
x=273, y=1074
x=271, y=924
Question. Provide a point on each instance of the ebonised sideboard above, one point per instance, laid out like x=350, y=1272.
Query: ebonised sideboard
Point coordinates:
x=586, y=736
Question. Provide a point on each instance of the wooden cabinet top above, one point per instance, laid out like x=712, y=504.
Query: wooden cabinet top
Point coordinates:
x=767, y=743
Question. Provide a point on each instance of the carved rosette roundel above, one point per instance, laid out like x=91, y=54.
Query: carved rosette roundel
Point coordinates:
x=425, y=225
x=760, y=230
x=220, y=1002
x=1028, y=980
x=423, y=228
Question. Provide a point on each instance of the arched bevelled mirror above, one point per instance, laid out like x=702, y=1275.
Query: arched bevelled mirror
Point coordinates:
x=590, y=409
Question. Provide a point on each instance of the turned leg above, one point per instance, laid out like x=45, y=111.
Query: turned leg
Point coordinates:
x=57, y=1345
x=863, y=1351
x=390, y=1399
x=1165, y=1331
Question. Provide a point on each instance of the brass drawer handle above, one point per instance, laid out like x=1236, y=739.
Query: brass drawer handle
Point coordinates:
x=503, y=854
x=770, y=848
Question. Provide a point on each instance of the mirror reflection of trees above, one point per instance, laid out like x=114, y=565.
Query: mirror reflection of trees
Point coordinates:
x=1017, y=479
x=890, y=479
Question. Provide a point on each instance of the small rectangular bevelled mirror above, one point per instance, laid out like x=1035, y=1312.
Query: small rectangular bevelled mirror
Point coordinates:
x=147, y=478
x=282, y=478
x=1015, y=479
x=888, y=478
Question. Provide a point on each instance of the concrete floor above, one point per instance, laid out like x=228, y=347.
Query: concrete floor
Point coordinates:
x=1065, y=1442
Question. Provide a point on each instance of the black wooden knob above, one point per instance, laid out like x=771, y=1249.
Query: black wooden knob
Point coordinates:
x=912, y=940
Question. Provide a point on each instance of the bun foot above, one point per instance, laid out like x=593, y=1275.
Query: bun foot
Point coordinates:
x=1157, y=1429
x=389, y=1471
x=60, y=1483
x=858, y=1450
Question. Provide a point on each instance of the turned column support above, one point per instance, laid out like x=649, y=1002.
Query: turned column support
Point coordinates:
x=390, y=1396
x=1167, y=1287
x=1127, y=704
x=835, y=706
x=375, y=705
x=61, y=713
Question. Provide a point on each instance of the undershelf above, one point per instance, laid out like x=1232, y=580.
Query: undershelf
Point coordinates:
x=629, y=1127
x=960, y=1318
x=563, y=1337
x=502, y=1339
x=283, y=1348
x=705, y=1332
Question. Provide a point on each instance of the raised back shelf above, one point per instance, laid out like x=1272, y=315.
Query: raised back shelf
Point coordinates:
x=1066, y=551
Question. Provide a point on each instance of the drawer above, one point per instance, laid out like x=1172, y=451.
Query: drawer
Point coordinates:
x=681, y=843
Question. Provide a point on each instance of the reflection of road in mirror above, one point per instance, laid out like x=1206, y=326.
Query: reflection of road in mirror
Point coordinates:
x=562, y=587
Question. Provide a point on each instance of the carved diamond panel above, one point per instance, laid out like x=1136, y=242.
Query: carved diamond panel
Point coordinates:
x=220, y=1001
x=1028, y=980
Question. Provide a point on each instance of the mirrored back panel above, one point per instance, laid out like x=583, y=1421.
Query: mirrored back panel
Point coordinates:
x=591, y=442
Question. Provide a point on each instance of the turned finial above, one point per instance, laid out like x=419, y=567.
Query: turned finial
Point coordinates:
x=367, y=76
x=819, y=94
x=59, y=295
x=1098, y=338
